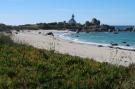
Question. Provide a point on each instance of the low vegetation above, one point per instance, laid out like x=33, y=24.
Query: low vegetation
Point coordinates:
x=45, y=26
x=89, y=26
x=25, y=67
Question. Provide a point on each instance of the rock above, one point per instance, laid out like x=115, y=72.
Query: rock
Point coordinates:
x=128, y=45
x=95, y=21
x=95, y=26
x=50, y=33
x=107, y=28
x=77, y=36
x=110, y=46
x=129, y=29
x=79, y=30
x=114, y=44
x=18, y=30
x=100, y=45
x=116, y=33
x=124, y=42
x=39, y=32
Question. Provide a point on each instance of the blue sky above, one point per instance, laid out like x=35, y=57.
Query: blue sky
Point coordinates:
x=113, y=12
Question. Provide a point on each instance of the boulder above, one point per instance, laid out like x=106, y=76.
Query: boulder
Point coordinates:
x=124, y=42
x=50, y=33
x=128, y=45
x=114, y=44
x=39, y=32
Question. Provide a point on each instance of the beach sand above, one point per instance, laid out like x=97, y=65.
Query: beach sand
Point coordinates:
x=38, y=39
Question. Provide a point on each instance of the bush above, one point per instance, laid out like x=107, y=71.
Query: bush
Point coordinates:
x=5, y=40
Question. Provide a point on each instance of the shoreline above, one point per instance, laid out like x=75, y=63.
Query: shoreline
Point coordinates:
x=102, y=45
x=116, y=56
x=99, y=44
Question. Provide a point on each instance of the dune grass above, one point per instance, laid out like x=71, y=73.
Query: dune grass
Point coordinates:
x=25, y=67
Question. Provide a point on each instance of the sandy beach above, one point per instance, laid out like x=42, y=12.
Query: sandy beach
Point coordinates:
x=39, y=39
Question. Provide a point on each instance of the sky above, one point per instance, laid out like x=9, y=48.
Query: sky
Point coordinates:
x=112, y=12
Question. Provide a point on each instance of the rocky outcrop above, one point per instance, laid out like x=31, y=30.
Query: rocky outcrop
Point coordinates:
x=129, y=29
x=95, y=21
x=95, y=26
x=107, y=28
x=134, y=29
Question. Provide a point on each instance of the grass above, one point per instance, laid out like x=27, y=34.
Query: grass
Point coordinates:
x=25, y=67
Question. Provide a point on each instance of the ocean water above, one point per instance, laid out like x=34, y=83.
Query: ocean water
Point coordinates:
x=102, y=38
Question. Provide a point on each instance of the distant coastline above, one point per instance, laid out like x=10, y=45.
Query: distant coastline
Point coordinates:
x=89, y=26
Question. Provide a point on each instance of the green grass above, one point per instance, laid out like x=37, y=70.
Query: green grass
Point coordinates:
x=25, y=67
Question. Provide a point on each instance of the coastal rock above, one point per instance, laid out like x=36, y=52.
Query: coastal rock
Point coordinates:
x=39, y=32
x=124, y=42
x=100, y=45
x=114, y=44
x=77, y=36
x=116, y=33
x=50, y=33
x=107, y=28
x=95, y=21
x=128, y=45
x=129, y=29
x=94, y=26
x=78, y=30
x=18, y=30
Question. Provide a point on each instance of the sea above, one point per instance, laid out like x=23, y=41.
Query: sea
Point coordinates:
x=125, y=40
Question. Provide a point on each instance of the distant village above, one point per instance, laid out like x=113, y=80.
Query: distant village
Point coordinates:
x=89, y=26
